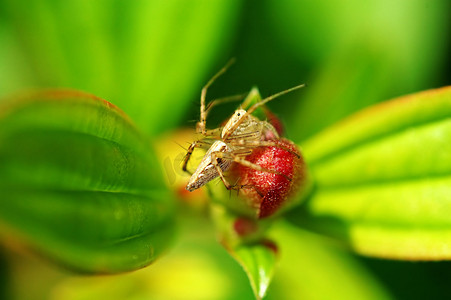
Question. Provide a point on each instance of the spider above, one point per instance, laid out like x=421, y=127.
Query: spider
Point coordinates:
x=231, y=143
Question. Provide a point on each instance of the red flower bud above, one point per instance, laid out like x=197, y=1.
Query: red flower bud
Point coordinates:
x=271, y=192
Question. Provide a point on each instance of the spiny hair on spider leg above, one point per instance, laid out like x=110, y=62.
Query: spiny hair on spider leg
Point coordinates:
x=181, y=146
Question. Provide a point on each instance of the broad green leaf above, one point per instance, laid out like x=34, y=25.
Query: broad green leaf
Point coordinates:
x=383, y=178
x=375, y=123
x=149, y=57
x=79, y=183
x=314, y=267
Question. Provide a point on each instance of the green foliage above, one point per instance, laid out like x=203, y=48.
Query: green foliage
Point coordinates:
x=80, y=183
x=259, y=261
x=382, y=178
x=5, y=291
x=357, y=50
x=82, y=186
x=314, y=267
x=132, y=53
x=245, y=239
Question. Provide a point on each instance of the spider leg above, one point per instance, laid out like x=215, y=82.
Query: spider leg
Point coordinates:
x=209, y=133
x=242, y=161
x=223, y=100
x=258, y=143
x=248, y=186
x=237, y=187
x=189, y=152
x=214, y=159
x=272, y=97
x=257, y=105
x=203, y=112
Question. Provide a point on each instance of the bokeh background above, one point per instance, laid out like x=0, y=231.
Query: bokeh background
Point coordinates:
x=151, y=58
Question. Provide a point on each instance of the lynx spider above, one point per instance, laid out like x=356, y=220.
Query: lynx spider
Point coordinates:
x=231, y=143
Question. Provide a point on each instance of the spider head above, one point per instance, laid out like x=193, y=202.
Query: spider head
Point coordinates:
x=235, y=118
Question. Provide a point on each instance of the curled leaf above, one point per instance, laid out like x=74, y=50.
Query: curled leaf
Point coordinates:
x=79, y=183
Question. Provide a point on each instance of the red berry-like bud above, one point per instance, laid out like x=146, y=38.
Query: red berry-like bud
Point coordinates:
x=270, y=192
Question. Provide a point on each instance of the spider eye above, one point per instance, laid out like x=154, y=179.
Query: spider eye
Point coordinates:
x=238, y=114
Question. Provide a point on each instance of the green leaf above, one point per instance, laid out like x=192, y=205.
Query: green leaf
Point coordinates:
x=244, y=238
x=383, y=178
x=354, y=74
x=5, y=290
x=259, y=261
x=349, y=63
x=149, y=57
x=197, y=268
x=79, y=183
x=407, y=27
x=315, y=267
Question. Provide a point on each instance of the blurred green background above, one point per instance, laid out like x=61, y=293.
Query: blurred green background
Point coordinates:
x=151, y=58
